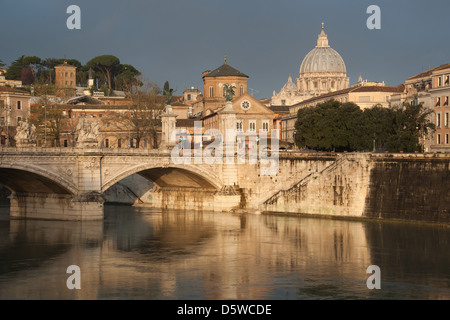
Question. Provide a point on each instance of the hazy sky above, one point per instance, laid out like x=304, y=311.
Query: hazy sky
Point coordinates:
x=176, y=40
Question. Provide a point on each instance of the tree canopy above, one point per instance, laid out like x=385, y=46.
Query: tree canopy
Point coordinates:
x=107, y=64
x=336, y=126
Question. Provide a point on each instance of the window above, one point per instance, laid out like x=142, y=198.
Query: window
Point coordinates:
x=438, y=139
x=211, y=91
x=439, y=81
x=364, y=99
x=106, y=143
x=283, y=102
x=446, y=120
x=71, y=74
x=446, y=138
x=239, y=125
x=189, y=97
x=19, y=105
x=438, y=101
x=18, y=120
x=265, y=126
x=447, y=80
x=65, y=143
x=438, y=120
x=446, y=101
x=242, y=90
x=66, y=82
x=119, y=143
x=252, y=125
x=66, y=74
x=71, y=83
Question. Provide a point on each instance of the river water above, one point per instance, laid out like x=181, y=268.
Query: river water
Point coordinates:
x=143, y=253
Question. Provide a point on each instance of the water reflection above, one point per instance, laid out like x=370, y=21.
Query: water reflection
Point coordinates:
x=148, y=254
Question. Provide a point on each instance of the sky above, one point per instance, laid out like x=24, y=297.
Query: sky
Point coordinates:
x=176, y=40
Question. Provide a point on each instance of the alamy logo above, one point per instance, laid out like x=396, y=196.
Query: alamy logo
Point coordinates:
x=74, y=20
x=74, y=281
x=374, y=21
x=374, y=281
x=229, y=148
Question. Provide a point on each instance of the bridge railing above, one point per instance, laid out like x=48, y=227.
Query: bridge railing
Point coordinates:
x=167, y=152
x=70, y=150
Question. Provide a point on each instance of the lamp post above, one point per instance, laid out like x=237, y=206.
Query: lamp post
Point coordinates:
x=45, y=125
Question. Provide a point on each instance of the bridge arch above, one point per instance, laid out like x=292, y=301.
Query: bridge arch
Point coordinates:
x=32, y=179
x=188, y=176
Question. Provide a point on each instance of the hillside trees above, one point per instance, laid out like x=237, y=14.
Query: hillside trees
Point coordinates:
x=108, y=65
x=107, y=69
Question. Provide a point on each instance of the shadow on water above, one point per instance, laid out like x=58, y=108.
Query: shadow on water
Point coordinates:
x=405, y=251
x=28, y=244
x=156, y=234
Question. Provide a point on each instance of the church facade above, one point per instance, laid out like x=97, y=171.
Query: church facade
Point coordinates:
x=322, y=71
x=250, y=117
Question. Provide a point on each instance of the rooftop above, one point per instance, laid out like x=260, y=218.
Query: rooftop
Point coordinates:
x=356, y=89
x=65, y=64
x=4, y=89
x=279, y=108
x=429, y=72
x=225, y=70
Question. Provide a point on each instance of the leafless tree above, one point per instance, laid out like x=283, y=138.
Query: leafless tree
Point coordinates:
x=141, y=117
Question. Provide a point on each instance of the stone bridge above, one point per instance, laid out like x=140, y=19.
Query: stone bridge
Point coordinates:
x=69, y=183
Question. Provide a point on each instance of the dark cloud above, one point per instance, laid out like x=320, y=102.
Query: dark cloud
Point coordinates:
x=177, y=40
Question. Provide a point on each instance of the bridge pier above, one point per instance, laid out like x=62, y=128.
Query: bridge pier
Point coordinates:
x=196, y=199
x=56, y=206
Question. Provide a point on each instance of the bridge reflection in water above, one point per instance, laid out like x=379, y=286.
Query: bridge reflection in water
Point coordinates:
x=148, y=254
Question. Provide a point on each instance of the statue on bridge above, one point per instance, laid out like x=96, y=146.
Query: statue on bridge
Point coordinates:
x=169, y=95
x=25, y=134
x=87, y=132
x=229, y=92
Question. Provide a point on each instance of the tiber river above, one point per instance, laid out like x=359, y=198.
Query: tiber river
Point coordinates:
x=142, y=253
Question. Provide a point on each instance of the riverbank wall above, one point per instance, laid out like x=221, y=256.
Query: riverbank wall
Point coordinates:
x=409, y=187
